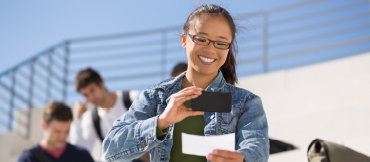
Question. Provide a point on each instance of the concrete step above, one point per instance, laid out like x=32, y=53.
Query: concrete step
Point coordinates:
x=12, y=145
x=329, y=101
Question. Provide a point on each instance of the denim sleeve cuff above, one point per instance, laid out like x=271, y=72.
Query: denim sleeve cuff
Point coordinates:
x=149, y=128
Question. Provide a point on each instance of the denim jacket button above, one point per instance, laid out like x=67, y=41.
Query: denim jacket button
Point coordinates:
x=143, y=143
x=213, y=116
x=213, y=132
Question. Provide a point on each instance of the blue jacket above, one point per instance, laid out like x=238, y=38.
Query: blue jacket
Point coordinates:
x=134, y=133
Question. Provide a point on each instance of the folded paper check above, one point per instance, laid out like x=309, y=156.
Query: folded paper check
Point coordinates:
x=203, y=145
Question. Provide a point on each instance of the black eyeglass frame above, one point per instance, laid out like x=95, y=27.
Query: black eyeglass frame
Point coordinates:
x=209, y=41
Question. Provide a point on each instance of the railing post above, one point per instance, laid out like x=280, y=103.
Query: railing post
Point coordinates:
x=12, y=105
x=30, y=95
x=369, y=8
x=265, y=42
x=66, y=63
x=50, y=58
x=164, y=50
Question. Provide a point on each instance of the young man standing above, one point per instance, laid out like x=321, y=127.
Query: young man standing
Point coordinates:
x=93, y=124
x=53, y=147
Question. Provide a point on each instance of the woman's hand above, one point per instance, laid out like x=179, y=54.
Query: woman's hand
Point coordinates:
x=225, y=156
x=176, y=111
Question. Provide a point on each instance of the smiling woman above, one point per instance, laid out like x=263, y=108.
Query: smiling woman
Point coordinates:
x=160, y=114
x=205, y=60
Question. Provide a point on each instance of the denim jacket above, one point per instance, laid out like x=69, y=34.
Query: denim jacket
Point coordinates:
x=134, y=133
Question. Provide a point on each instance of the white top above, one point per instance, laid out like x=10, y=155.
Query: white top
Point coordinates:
x=82, y=130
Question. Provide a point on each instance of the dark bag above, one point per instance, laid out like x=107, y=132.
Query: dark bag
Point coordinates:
x=96, y=119
x=325, y=151
x=39, y=154
x=277, y=146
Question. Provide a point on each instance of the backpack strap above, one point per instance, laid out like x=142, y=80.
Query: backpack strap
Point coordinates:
x=126, y=99
x=96, y=119
x=39, y=154
x=96, y=122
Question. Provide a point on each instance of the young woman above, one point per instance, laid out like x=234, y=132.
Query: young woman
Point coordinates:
x=156, y=119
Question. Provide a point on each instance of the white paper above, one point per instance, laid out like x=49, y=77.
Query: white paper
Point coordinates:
x=203, y=145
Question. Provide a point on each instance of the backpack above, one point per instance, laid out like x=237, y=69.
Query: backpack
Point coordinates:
x=277, y=146
x=96, y=119
x=39, y=154
x=325, y=151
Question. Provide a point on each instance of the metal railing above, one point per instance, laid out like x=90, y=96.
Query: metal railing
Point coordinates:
x=282, y=38
x=35, y=81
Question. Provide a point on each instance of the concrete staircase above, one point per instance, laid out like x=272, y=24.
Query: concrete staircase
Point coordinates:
x=330, y=100
x=12, y=146
x=13, y=143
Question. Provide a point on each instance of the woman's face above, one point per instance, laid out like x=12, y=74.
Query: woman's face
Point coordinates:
x=206, y=60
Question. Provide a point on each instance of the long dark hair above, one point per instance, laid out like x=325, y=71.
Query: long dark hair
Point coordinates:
x=228, y=68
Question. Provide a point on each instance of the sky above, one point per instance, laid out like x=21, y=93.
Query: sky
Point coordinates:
x=28, y=27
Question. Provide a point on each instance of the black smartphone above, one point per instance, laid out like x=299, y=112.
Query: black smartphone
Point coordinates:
x=212, y=102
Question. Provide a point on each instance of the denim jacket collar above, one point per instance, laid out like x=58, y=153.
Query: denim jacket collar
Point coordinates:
x=217, y=84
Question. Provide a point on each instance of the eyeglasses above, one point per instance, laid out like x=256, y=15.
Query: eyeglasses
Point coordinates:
x=205, y=42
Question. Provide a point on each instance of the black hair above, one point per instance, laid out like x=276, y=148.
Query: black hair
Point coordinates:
x=86, y=77
x=179, y=68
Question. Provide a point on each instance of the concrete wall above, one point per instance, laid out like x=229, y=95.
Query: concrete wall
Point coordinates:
x=36, y=132
x=13, y=144
x=330, y=100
